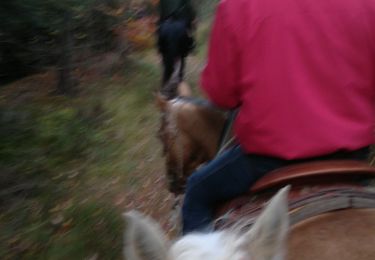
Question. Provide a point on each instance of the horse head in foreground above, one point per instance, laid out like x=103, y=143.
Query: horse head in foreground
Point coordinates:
x=265, y=240
x=190, y=130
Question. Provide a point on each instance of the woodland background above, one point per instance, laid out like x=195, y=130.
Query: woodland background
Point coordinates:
x=78, y=124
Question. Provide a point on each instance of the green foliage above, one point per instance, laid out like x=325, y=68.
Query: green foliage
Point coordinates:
x=64, y=165
x=40, y=144
x=205, y=8
x=63, y=134
x=33, y=32
x=90, y=224
x=35, y=136
x=79, y=230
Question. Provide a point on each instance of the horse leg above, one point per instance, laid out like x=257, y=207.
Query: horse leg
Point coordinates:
x=168, y=89
x=168, y=67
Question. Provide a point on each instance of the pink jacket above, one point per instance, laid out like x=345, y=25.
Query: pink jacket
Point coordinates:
x=301, y=71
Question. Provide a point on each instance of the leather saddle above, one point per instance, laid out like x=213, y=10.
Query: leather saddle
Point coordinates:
x=314, y=172
x=317, y=187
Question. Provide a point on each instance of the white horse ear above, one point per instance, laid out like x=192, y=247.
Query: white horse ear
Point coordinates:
x=267, y=237
x=143, y=238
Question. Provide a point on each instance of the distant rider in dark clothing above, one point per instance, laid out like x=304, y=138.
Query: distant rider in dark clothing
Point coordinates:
x=175, y=40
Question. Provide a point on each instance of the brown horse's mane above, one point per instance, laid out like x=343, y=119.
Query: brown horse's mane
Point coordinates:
x=199, y=102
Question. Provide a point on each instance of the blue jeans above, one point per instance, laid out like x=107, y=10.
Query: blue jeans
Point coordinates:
x=230, y=175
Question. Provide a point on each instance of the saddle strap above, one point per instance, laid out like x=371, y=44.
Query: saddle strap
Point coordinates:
x=314, y=204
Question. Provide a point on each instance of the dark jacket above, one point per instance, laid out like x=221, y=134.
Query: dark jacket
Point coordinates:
x=177, y=9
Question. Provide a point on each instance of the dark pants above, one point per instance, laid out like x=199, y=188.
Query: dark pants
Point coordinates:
x=169, y=88
x=173, y=44
x=230, y=175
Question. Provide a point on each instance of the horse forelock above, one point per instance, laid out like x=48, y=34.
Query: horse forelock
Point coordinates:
x=219, y=246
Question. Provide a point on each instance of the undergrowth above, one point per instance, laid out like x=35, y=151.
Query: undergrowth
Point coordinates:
x=62, y=162
x=70, y=166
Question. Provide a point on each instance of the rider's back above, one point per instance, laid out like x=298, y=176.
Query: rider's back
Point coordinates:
x=177, y=9
x=303, y=72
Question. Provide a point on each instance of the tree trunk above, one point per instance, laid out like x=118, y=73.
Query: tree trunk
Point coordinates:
x=66, y=82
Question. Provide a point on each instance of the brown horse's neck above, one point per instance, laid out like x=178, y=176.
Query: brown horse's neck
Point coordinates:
x=203, y=124
x=339, y=235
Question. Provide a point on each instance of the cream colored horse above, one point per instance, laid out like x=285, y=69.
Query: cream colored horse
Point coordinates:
x=266, y=240
x=338, y=235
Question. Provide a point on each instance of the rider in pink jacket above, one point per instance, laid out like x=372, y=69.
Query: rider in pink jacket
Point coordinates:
x=302, y=73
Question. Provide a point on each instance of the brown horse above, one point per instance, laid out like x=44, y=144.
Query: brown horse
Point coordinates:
x=190, y=130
